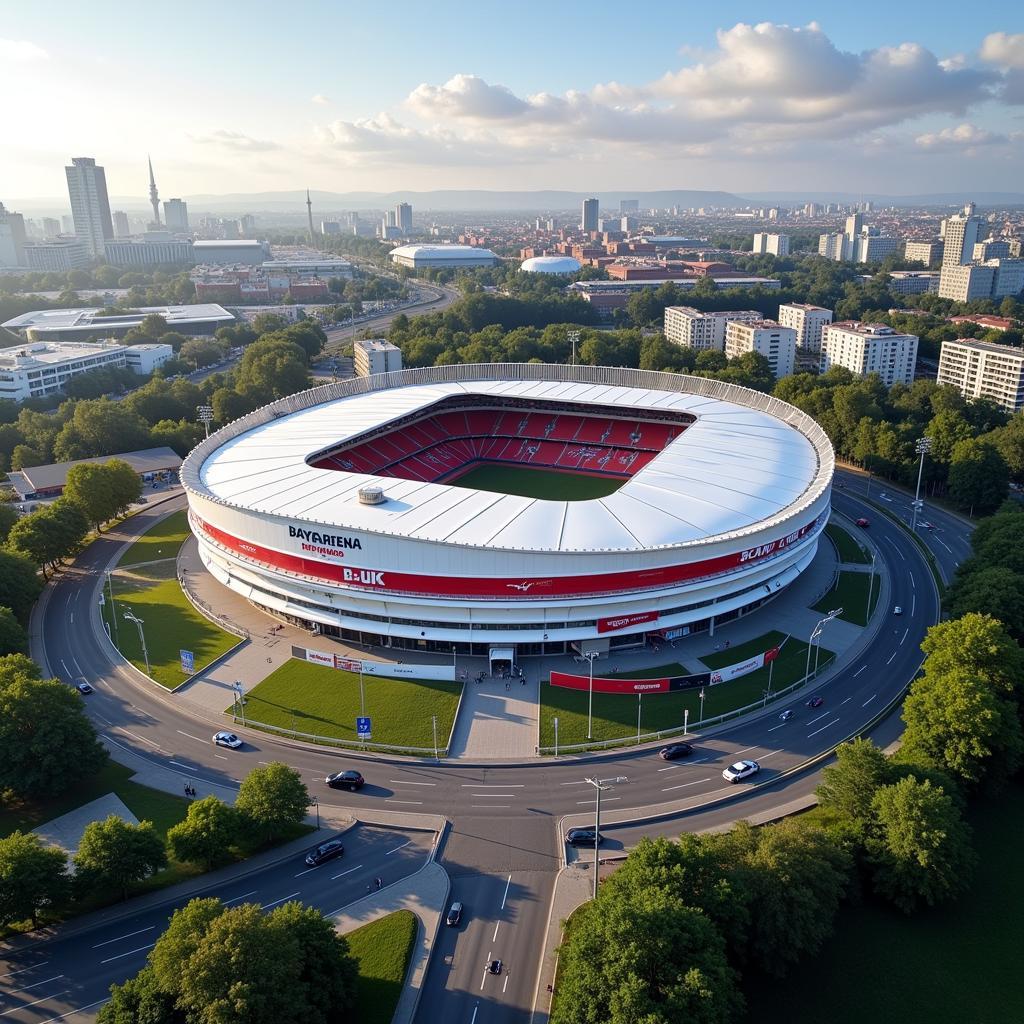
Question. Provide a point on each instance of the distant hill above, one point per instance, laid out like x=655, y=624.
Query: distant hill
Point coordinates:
x=1000, y=199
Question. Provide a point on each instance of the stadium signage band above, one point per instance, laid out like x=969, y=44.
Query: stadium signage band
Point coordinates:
x=610, y=625
x=493, y=587
x=611, y=684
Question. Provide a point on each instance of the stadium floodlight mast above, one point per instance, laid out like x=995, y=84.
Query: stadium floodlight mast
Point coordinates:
x=590, y=656
x=573, y=338
x=601, y=785
x=922, y=447
x=204, y=413
x=816, y=636
x=132, y=617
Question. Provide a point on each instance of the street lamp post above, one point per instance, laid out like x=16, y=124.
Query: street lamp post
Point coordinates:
x=923, y=447
x=204, y=413
x=639, y=706
x=433, y=722
x=590, y=656
x=816, y=636
x=240, y=698
x=132, y=617
x=113, y=609
x=573, y=338
x=556, y=735
x=316, y=804
x=871, y=587
x=600, y=785
x=700, y=724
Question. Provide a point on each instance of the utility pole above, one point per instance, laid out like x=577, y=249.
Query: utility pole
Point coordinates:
x=923, y=446
x=590, y=656
x=132, y=617
x=600, y=785
x=113, y=610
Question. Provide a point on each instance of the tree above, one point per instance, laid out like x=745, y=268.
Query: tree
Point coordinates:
x=116, y=854
x=19, y=584
x=644, y=957
x=207, y=834
x=850, y=784
x=202, y=352
x=33, y=878
x=100, y=427
x=13, y=638
x=50, y=534
x=272, y=368
x=139, y=1000
x=8, y=517
x=45, y=736
x=995, y=590
x=103, y=491
x=272, y=798
x=23, y=455
x=920, y=847
x=978, y=476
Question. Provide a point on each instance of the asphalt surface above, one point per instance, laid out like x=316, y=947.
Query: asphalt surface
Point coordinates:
x=67, y=977
x=504, y=846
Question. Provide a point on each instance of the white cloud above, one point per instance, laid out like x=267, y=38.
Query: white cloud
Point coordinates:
x=466, y=96
x=237, y=141
x=964, y=136
x=21, y=50
x=1003, y=49
x=320, y=100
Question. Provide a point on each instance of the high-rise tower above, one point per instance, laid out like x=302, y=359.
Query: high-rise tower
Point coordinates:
x=90, y=207
x=309, y=213
x=154, y=196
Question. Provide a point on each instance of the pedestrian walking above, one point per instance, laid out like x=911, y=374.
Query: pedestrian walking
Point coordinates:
x=380, y=883
x=187, y=793
x=508, y=685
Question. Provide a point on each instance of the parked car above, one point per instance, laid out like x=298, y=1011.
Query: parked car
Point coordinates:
x=226, y=739
x=454, y=915
x=674, y=751
x=84, y=687
x=583, y=837
x=350, y=780
x=741, y=770
x=324, y=852
x=816, y=701
x=862, y=522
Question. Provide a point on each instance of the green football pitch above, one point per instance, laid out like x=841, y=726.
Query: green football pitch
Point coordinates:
x=531, y=482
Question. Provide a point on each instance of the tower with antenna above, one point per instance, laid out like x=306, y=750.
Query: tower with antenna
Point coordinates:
x=309, y=213
x=154, y=196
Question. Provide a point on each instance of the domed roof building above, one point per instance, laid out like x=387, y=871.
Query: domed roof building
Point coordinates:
x=551, y=265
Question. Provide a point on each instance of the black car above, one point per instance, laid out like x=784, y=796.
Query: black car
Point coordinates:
x=583, y=837
x=454, y=915
x=674, y=751
x=494, y=967
x=345, y=780
x=325, y=852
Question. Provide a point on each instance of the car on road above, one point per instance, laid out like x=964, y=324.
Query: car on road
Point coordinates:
x=583, y=837
x=741, y=770
x=816, y=701
x=350, y=780
x=494, y=967
x=324, y=852
x=928, y=526
x=786, y=715
x=84, y=687
x=674, y=751
x=898, y=610
x=863, y=523
x=454, y=916
x=226, y=739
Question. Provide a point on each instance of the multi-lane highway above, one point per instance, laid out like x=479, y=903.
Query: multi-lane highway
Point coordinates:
x=503, y=847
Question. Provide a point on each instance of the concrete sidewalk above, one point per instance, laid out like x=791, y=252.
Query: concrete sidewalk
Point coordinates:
x=499, y=718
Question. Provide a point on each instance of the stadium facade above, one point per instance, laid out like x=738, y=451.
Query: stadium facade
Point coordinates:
x=341, y=507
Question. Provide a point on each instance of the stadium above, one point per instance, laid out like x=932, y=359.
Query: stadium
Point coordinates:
x=508, y=510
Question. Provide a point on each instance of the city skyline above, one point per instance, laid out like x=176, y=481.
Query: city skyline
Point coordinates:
x=899, y=103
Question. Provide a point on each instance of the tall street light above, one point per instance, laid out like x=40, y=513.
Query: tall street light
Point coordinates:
x=923, y=447
x=132, y=617
x=601, y=785
x=590, y=656
x=816, y=636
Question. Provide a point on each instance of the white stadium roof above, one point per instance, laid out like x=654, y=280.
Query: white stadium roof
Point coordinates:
x=730, y=470
x=453, y=253
x=551, y=265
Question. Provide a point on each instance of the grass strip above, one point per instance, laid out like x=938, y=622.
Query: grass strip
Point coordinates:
x=383, y=949
x=849, y=548
x=850, y=592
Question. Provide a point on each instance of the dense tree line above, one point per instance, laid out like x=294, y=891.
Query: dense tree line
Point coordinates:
x=677, y=923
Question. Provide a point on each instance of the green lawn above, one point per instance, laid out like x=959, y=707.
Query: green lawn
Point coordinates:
x=740, y=652
x=170, y=624
x=538, y=483
x=615, y=714
x=952, y=964
x=850, y=592
x=848, y=547
x=383, y=949
x=325, y=702
x=159, y=541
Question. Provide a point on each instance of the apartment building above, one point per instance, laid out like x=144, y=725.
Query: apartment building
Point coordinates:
x=869, y=348
x=980, y=369
x=690, y=328
x=808, y=322
x=775, y=342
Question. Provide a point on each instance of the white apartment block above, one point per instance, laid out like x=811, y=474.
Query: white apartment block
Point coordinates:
x=807, y=321
x=979, y=369
x=43, y=368
x=375, y=355
x=771, y=244
x=926, y=253
x=690, y=328
x=991, y=249
x=832, y=246
x=869, y=348
x=58, y=256
x=874, y=248
x=993, y=279
x=90, y=207
x=775, y=342
x=960, y=233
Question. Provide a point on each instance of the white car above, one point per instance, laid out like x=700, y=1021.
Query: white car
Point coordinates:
x=226, y=739
x=741, y=770
x=897, y=610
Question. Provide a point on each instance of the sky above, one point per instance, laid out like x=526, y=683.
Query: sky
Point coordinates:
x=895, y=98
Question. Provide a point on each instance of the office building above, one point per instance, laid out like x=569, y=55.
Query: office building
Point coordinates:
x=807, y=321
x=590, y=215
x=869, y=248
x=914, y=282
x=994, y=279
x=629, y=206
x=122, y=229
x=854, y=225
x=90, y=206
x=690, y=328
x=928, y=254
x=869, y=348
x=153, y=249
x=85, y=324
x=991, y=249
x=12, y=238
x=980, y=369
x=51, y=227
x=771, y=340
x=832, y=246
x=403, y=218
x=375, y=355
x=771, y=244
x=38, y=369
x=237, y=250
x=58, y=255
x=176, y=215
x=960, y=233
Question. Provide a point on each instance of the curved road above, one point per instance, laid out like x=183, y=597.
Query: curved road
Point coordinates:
x=502, y=850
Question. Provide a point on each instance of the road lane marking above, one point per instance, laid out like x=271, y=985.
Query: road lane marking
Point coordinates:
x=140, y=739
x=391, y=799
x=491, y=807
x=945, y=545
x=503, y=898
x=913, y=603
x=35, y=984
x=904, y=637
x=913, y=585
x=25, y=1006
x=482, y=982
x=494, y=937
x=828, y=725
x=686, y=784
x=495, y=795
x=685, y=764
x=306, y=872
x=505, y=986
x=180, y=765
x=891, y=656
x=858, y=672
x=493, y=785
x=781, y=725
x=397, y=848
x=819, y=718
x=583, y=783
x=128, y=936
x=403, y=782
x=281, y=900
x=771, y=753
x=348, y=872
x=604, y=800
x=847, y=701
x=235, y=899
x=119, y=956
x=66, y=669
x=869, y=700
x=22, y=970
x=223, y=757
x=67, y=1013
x=190, y=736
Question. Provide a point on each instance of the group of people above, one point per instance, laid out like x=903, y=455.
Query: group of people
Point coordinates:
x=190, y=790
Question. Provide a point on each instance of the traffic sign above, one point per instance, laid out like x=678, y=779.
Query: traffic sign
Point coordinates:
x=188, y=662
x=363, y=728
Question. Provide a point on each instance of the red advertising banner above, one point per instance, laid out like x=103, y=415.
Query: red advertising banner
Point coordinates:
x=613, y=684
x=624, y=621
